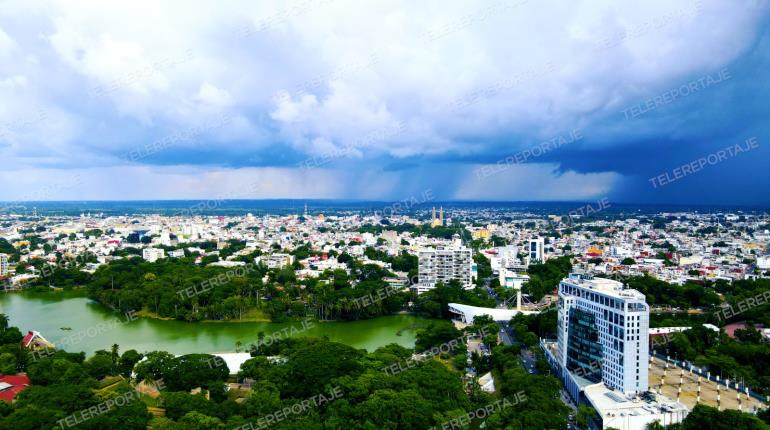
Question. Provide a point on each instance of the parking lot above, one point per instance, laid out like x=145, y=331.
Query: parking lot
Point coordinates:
x=729, y=399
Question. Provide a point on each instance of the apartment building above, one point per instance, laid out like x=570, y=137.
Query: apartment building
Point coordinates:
x=3, y=264
x=536, y=250
x=275, y=261
x=152, y=254
x=444, y=264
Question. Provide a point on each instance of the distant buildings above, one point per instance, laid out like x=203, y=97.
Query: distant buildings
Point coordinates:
x=437, y=222
x=3, y=264
x=152, y=254
x=481, y=233
x=536, y=250
x=763, y=262
x=444, y=264
x=275, y=261
x=512, y=279
x=505, y=257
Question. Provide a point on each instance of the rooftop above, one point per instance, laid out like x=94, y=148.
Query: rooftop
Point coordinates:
x=606, y=286
x=11, y=385
x=609, y=403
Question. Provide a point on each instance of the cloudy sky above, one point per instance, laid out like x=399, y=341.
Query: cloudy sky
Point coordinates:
x=474, y=100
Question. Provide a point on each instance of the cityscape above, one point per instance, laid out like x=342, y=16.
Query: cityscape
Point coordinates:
x=384, y=215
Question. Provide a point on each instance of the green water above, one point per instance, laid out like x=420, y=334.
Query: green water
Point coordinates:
x=95, y=327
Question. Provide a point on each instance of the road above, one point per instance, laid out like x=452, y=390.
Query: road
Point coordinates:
x=505, y=333
x=490, y=291
x=528, y=359
x=529, y=362
x=499, y=303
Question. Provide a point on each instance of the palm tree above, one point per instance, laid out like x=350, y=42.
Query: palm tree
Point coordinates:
x=260, y=339
x=238, y=346
x=115, y=354
x=3, y=321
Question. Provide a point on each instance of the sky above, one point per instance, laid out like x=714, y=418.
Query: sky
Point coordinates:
x=516, y=100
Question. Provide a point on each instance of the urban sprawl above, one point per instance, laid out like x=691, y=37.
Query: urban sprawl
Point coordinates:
x=643, y=319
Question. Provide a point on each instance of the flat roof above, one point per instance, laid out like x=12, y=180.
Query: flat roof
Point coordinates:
x=470, y=312
x=609, y=402
x=605, y=286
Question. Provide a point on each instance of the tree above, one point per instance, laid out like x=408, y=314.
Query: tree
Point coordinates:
x=177, y=404
x=114, y=353
x=584, y=415
x=314, y=365
x=128, y=360
x=435, y=334
x=546, y=277
x=100, y=365
x=157, y=364
x=7, y=363
x=705, y=417
x=749, y=334
x=196, y=370
x=628, y=261
x=198, y=421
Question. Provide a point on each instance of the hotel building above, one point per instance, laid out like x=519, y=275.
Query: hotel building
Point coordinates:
x=603, y=333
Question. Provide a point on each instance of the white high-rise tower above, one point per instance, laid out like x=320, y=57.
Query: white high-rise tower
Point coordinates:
x=603, y=332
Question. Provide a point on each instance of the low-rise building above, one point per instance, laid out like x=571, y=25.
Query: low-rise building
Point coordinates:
x=152, y=254
x=275, y=261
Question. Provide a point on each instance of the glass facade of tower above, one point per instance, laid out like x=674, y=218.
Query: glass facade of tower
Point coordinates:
x=584, y=352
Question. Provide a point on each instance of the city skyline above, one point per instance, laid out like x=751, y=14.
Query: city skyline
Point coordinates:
x=519, y=101
x=498, y=214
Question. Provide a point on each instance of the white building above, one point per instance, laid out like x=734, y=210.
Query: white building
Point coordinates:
x=621, y=252
x=512, y=278
x=504, y=257
x=620, y=412
x=275, y=261
x=603, y=332
x=444, y=264
x=176, y=253
x=536, y=250
x=152, y=254
x=467, y=313
x=602, y=354
x=3, y=264
x=763, y=262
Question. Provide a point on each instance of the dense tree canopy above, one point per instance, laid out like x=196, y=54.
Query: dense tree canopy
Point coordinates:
x=544, y=278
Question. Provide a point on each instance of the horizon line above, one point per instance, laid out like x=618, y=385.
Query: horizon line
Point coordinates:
x=356, y=200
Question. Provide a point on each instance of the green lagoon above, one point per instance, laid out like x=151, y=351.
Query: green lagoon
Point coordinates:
x=76, y=323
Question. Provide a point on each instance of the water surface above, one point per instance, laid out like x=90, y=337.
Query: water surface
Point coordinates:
x=93, y=327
